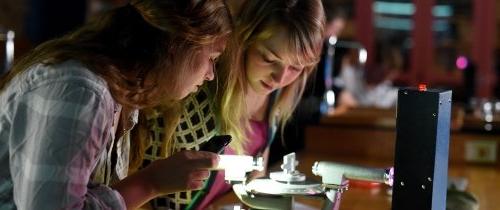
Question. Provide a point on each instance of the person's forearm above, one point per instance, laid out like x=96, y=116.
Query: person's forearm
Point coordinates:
x=135, y=190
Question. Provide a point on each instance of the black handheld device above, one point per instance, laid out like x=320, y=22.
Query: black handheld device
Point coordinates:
x=216, y=144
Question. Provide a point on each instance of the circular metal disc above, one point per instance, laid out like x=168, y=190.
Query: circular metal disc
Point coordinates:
x=271, y=187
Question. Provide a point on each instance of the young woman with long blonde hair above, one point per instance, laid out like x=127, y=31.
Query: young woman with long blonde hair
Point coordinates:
x=275, y=46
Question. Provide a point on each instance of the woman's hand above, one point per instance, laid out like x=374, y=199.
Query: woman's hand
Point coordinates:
x=259, y=174
x=185, y=170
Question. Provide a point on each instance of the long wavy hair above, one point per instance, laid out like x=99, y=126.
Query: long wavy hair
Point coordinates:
x=304, y=22
x=145, y=38
x=160, y=39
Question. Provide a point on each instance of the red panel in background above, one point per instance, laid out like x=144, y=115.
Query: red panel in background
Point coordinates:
x=484, y=34
x=422, y=53
x=365, y=32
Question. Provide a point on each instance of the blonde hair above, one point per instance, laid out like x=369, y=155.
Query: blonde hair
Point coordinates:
x=304, y=22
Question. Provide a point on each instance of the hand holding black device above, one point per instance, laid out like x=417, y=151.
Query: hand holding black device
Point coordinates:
x=216, y=144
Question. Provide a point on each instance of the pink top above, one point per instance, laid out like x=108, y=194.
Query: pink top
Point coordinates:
x=258, y=142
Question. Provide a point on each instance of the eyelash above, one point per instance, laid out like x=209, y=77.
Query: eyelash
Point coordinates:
x=213, y=61
x=295, y=69
x=265, y=59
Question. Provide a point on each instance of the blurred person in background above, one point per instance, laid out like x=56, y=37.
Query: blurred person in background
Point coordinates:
x=358, y=92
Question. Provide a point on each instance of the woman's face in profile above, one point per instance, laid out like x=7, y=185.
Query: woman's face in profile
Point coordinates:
x=202, y=70
x=270, y=64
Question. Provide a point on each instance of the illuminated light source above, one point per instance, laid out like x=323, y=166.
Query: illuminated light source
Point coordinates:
x=394, y=23
x=461, y=62
x=407, y=24
x=238, y=162
x=442, y=11
x=488, y=127
x=487, y=107
x=330, y=98
x=422, y=87
x=488, y=118
x=10, y=35
x=408, y=9
x=9, y=48
x=236, y=166
x=332, y=40
x=363, y=55
x=393, y=8
x=397, y=15
x=389, y=176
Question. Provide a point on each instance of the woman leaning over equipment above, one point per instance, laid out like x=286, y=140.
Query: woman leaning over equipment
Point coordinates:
x=275, y=46
x=68, y=104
